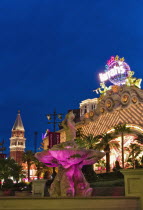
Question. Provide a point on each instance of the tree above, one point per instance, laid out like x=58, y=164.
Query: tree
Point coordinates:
x=28, y=157
x=99, y=142
x=87, y=142
x=41, y=168
x=5, y=169
x=139, y=138
x=106, y=143
x=134, y=151
x=141, y=160
x=17, y=172
x=122, y=129
x=9, y=168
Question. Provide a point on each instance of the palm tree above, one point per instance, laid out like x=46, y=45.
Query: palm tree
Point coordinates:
x=122, y=129
x=141, y=160
x=40, y=167
x=134, y=150
x=17, y=172
x=28, y=157
x=139, y=138
x=79, y=133
x=91, y=141
x=88, y=142
x=107, y=143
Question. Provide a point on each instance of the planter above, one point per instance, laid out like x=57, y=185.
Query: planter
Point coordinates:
x=8, y=192
x=38, y=187
x=133, y=182
x=108, y=191
x=22, y=193
x=1, y=193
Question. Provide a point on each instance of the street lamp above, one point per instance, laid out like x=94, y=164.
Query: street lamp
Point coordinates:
x=54, y=117
x=35, y=141
x=48, y=116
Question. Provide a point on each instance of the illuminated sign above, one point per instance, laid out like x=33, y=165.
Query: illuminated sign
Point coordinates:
x=116, y=71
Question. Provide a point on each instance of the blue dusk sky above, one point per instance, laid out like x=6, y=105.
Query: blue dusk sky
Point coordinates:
x=51, y=52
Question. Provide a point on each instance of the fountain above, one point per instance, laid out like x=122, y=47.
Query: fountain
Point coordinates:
x=69, y=158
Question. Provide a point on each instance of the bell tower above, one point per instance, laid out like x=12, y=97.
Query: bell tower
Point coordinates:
x=17, y=140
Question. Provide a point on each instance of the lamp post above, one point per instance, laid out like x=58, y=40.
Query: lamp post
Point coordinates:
x=35, y=141
x=54, y=121
x=54, y=117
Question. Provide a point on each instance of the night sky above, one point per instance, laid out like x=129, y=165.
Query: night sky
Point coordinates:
x=51, y=52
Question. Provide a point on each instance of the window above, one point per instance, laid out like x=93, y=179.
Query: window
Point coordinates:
x=85, y=109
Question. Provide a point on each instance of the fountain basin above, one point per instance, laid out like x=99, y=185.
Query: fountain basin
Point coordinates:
x=69, y=181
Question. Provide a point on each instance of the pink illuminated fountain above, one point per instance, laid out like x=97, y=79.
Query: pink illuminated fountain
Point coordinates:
x=69, y=158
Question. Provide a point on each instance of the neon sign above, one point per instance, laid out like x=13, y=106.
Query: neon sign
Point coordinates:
x=116, y=71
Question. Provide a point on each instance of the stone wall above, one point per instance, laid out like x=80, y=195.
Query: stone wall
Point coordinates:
x=98, y=203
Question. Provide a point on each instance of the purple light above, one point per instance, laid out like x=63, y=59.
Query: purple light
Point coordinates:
x=116, y=71
x=70, y=161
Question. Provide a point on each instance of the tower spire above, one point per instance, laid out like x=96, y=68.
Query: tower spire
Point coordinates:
x=18, y=125
x=17, y=140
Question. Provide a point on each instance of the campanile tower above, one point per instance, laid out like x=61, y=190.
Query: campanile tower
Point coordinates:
x=17, y=140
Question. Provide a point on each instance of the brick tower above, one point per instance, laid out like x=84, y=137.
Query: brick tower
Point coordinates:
x=17, y=140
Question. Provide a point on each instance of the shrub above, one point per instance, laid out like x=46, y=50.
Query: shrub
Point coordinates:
x=22, y=186
x=110, y=176
x=89, y=173
x=8, y=184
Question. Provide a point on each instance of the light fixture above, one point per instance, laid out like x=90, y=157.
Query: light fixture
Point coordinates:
x=49, y=117
x=60, y=116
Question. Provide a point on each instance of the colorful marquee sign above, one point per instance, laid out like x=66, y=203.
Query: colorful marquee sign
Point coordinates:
x=116, y=71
